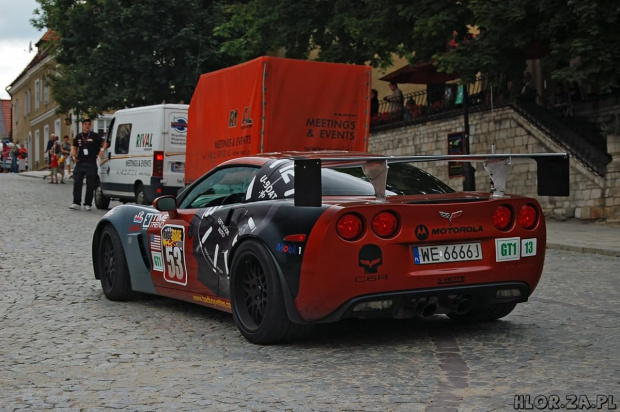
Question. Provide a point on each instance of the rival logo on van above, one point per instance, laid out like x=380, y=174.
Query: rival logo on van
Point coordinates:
x=179, y=124
x=144, y=140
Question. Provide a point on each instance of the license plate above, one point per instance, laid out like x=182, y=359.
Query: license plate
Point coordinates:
x=460, y=252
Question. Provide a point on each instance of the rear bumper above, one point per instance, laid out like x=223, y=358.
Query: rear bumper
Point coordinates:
x=445, y=298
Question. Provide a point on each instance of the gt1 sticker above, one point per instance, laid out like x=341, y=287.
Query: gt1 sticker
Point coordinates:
x=528, y=247
x=157, y=261
x=507, y=249
x=172, y=242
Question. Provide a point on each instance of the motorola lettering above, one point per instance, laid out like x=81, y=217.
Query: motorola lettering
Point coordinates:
x=454, y=230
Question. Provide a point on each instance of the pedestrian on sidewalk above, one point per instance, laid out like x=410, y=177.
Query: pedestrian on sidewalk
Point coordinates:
x=5, y=156
x=66, y=151
x=14, y=156
x=54, y=168
x=54, y=156
x=87, y=148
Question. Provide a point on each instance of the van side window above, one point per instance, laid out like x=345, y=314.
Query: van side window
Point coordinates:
x=123, y=133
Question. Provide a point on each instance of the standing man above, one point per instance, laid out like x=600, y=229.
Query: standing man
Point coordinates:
x=65, y=151
x=396, y=100
x=87, y=148
x=49, y=147
x=14, y=156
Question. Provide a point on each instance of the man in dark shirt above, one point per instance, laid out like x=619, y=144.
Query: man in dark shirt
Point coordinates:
x=87, y=148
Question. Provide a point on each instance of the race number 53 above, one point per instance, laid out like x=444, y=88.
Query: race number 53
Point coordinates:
x=172, y=242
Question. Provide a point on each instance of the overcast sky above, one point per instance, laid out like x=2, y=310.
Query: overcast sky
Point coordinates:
x=16, y=33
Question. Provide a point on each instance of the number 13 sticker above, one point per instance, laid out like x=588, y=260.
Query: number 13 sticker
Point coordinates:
x=172, y=243
x=528, y=247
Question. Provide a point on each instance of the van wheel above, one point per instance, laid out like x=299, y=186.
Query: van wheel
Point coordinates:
x=140, y=199
x=101, y=201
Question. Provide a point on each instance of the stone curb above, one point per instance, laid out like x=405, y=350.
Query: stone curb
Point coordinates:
x=582, y=249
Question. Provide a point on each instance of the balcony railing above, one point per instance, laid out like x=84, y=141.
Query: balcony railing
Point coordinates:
x=580, y=137
x=423, y=106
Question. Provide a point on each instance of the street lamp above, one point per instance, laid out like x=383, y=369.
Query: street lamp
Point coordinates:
x=469, y=177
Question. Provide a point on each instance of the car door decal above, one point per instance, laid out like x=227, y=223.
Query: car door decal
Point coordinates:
x=172, y=243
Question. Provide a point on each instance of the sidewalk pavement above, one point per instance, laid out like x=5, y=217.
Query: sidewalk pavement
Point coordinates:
x=571, y=235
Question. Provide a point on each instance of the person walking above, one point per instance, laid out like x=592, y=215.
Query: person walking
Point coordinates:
x=14, y=156
x=54, y=153
x=54, y=168
x=65, y=149
x=86, y=149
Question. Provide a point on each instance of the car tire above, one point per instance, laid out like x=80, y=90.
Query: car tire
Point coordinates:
x=140, y=197
x=101, y=201
x=113, y=270
x=485, y=314
x=256, y=296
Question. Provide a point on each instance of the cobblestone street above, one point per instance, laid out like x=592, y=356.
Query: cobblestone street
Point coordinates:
x=64, y=346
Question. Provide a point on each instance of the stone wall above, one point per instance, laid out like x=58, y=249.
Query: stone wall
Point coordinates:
x=592, y=196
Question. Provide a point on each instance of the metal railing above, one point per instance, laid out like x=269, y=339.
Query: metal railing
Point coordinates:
x=579, y=137
x=424, y=105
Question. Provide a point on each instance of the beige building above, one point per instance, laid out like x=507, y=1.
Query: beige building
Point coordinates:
x=33, y=110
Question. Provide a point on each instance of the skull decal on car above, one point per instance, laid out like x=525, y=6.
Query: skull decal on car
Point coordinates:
x=370, y=258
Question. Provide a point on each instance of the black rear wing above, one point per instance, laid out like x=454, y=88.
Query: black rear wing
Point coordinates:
x=552, y=172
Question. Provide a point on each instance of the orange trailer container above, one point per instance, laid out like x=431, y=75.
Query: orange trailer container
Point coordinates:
x=273, y=104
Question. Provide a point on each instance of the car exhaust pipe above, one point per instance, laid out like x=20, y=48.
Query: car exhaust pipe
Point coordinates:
x=459, y=306
x=425, y=310
x=463, y=306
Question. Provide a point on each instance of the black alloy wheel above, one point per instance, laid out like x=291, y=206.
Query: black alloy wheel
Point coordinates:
x=113, y=271
x=256, y=296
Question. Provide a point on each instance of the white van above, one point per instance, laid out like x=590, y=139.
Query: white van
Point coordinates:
x=145, y=155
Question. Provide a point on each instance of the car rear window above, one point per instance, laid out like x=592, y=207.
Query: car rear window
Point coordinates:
x=402, y=179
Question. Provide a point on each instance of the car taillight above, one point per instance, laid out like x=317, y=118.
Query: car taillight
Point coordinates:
x=158, y=164
x=385, y=224
x=295, y=238
x=528, y=216
x=349, y=226
x=502, y=218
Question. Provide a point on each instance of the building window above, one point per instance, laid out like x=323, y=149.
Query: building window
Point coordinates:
x=36, y=146
x=46, y=93
x=103, y=124
x=37, y=94
x=28, y=103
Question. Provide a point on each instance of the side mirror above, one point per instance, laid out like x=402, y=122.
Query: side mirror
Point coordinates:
x=168, y=204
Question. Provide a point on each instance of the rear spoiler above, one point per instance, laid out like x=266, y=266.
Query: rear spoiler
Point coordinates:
x=552, y=172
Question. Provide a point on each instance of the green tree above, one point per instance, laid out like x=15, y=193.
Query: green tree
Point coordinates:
x=577, y=37
x=122, y=53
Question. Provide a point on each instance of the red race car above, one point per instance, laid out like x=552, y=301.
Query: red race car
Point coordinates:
x=288, y=240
